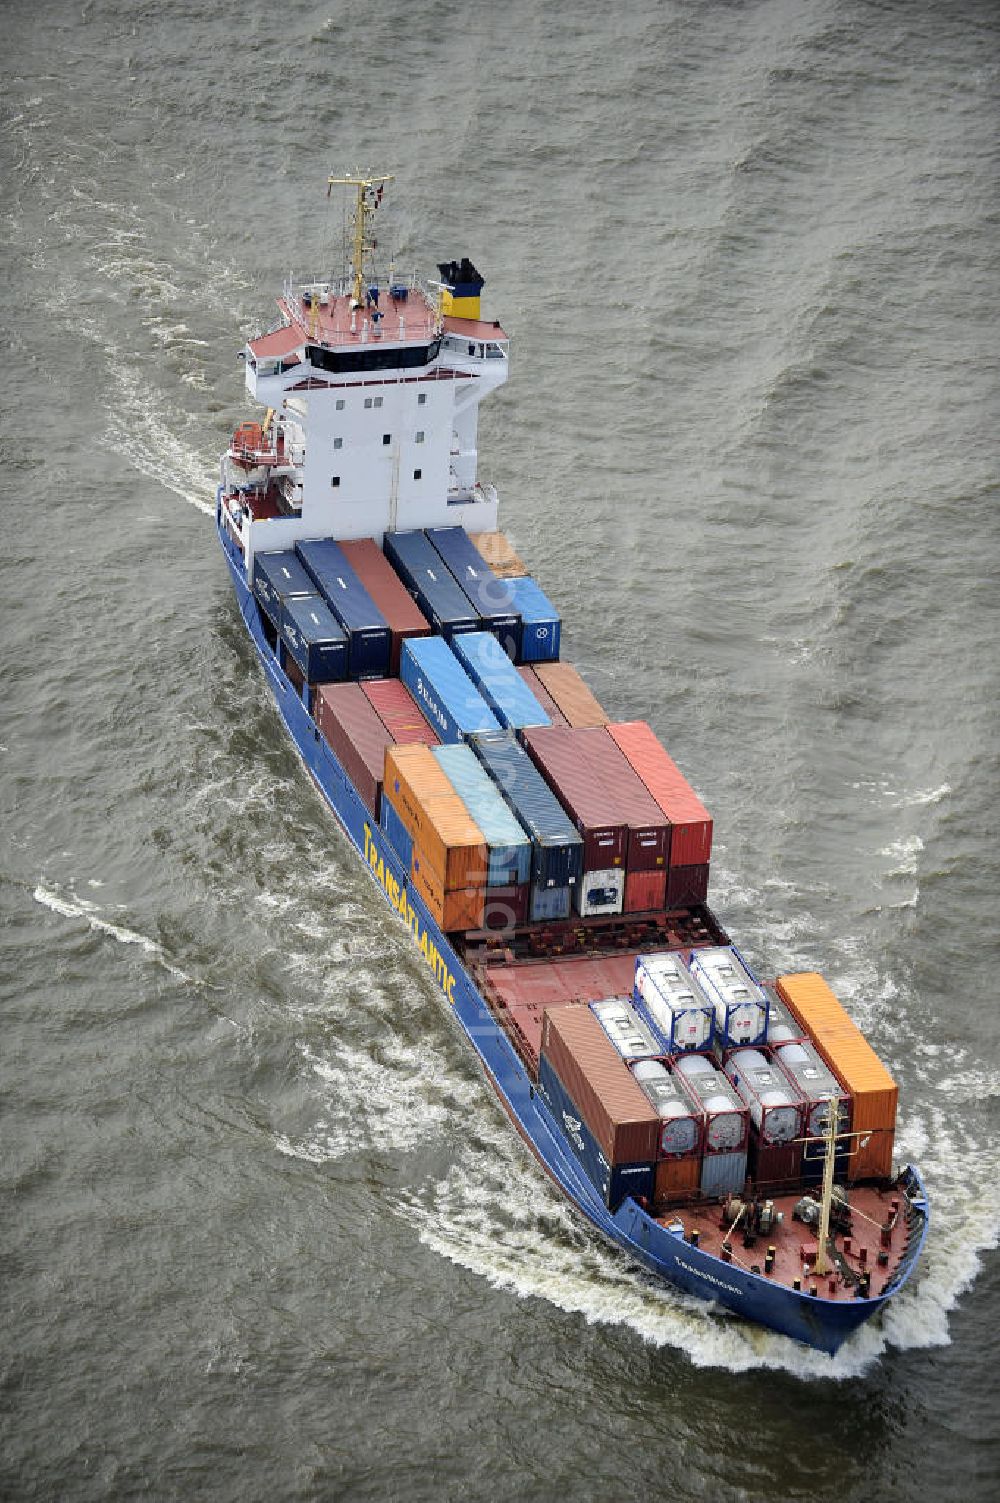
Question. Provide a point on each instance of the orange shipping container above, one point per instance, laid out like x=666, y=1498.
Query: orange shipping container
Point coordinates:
x=434, y=815
x=496, y=551
x=842, y=1046
x=455, y=909
x=577, y=703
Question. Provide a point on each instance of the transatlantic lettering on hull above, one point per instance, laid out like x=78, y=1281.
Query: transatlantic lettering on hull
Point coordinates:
x=396, y=892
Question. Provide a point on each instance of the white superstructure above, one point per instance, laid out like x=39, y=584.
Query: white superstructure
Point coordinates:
x=373, y=389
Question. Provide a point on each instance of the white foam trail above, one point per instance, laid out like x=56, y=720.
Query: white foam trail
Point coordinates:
x=905, y=853
x=79, y=908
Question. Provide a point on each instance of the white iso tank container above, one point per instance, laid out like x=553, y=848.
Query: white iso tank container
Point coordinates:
x=740, y=1000
x=681, y=1122
x=775, y=1102
x=818, y=1085
x=600, y=892
x=630, y=1034
x=675, y=1002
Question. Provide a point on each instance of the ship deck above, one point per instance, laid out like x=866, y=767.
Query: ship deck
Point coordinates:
x=879, y=1235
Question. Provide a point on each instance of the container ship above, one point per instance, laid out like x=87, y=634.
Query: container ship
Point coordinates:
x=551, y=864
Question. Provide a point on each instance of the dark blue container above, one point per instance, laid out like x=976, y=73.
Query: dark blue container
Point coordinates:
x=499, y=682
x=278, y=577
x=431, y=583
x=557, y=849
x=368, y=635
x=315, y=639
x=612, y=1183
x=448, y=699
x=397, y=834
x=541, y=626
x=490, y=595
x=548, y=903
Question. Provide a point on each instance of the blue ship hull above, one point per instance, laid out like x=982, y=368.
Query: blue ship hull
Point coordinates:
x=815, y=1321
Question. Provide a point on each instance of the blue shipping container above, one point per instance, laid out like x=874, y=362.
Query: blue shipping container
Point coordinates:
x=278, y=577
x=397, y=834
x=509, y=846
x=490, y=595
x=548, y=903
x=557, y=849
x=368, y=635
x=433, y=586
x=613, y=1184
x=499, y=682
x=541, y=626
x=315, y=639
x=448, y=699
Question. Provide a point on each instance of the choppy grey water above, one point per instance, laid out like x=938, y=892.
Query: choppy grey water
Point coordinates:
x=265, y=1233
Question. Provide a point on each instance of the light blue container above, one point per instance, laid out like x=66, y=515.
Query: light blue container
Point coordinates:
x=509, y=845
x=541, y=625
x=499, y=682
x=448, y=699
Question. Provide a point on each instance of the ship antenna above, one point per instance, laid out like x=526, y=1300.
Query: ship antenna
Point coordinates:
x=369, y=190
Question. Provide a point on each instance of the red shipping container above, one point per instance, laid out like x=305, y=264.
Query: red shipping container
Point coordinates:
x=557, y=753
x=775, y=1165
x=687, y=886
x=645, y=892
x=397, y=709
x=615, y=1108
x=403, y=615
x=542, y=694
x=691, y=840
x=356, y=736
x=506, y=907
x=578, y=761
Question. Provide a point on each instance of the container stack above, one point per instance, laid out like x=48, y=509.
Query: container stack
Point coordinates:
x=823, y=1094
x=681, y=1012
x=727, y=1125
x=508, y=871
x=624, y=831
x=448, y=853
x=441, y=599
x=557, y=849
x=314, y=639
x=530, y=677
x=630, y=1033
x=691, y=823
x=739, y=999
x=403, y=616
x=609, y=1122
x=682, y=1126
x=499, y=682
x=776, y=1112
x=368, y=637
x=490, y=594
x=844, y=1049
x=446, y=695
x=356, y=736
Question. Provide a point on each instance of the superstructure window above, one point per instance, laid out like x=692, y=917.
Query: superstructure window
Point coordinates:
x=334, y=481
x=368, y=401
x=378, y=401
x=420, y=436
x=418, y=474
x=387, y=438
x=338, y=443
x=340, y=404
x=421, y=398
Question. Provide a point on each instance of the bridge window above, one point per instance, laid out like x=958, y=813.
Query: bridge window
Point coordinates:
x=418, y=474
x=334, y=481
